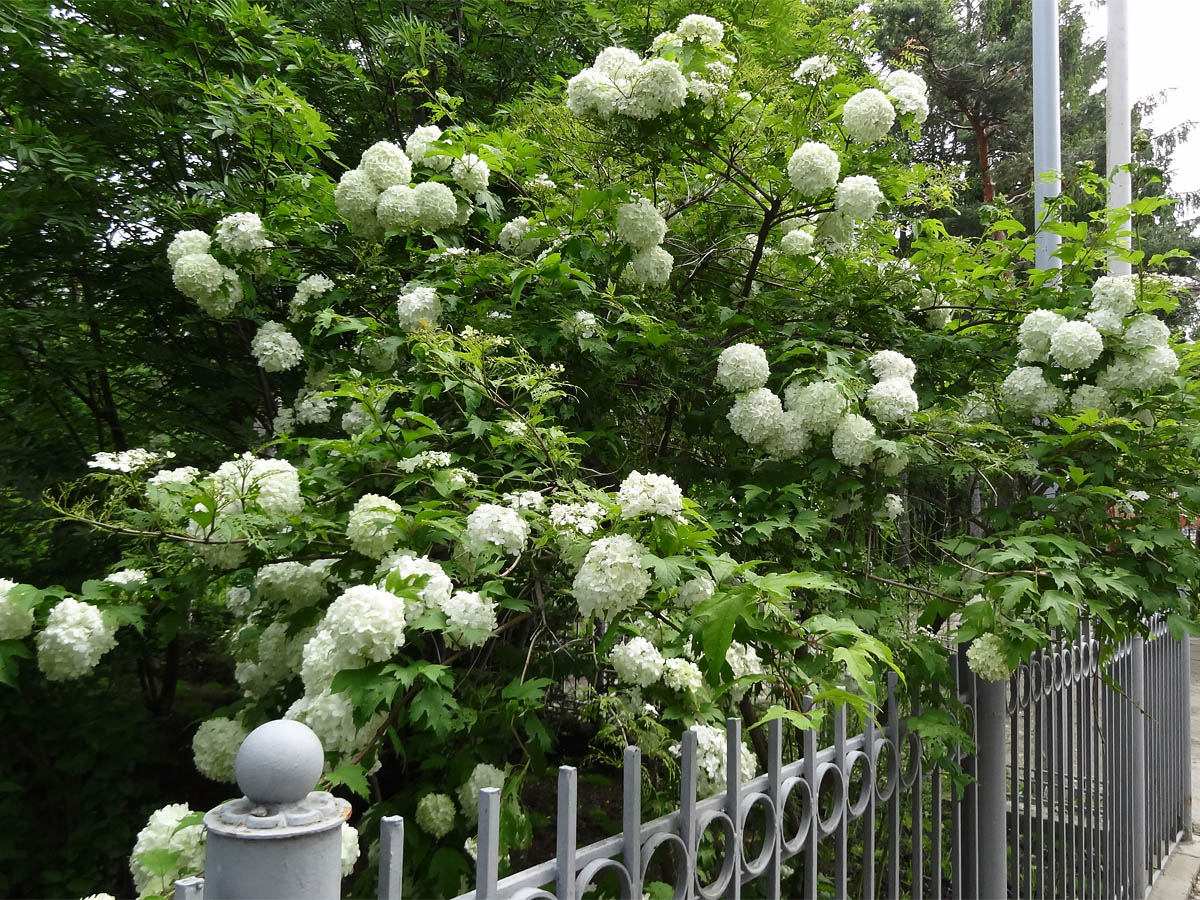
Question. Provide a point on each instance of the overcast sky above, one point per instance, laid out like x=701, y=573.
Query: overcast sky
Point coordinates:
x=1164, y=42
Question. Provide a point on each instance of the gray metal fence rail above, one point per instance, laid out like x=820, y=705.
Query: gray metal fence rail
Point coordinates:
x=1077, y=790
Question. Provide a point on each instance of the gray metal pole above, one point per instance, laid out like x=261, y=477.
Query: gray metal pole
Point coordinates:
x=1117, y=114
x=992, y=834
x=283, y=839
x=1186, y=715
x=1137, y=774
x=1047, y=140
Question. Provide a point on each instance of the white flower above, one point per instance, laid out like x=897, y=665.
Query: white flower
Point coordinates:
x=386, y=164
x=705, y=29
x=358, y=419
x=1076, y=345
x=1089, y=396
x=437, y=587
x=525, y=500
x=892, y=400
x=275, y=348
x=742, y=367
x=853, y=440
x=1027, y=392
x=858, y=197
x=893, y=506
x=1116, y=293
x=417, y=146
x=74, y=639
x=813, y=169
x=16, y=622
x=1154, y=367
x=322, y=656
x=637, y=662
x=483, y=776
x=640, y=225
x=311, y=408
x=436, y=206
x=241, y=233
x=128, y=578
x=977, y=408
x=370, y=527
x=890, y=364
x=659, y=87
x=397, y=209
x=215, y=746
x=466, y=611
x=162, y=832
x=909, y=92
x=581, y=517
x=350, y=849
x=471, y=173
x=593, y=93
x=658, y=495
x=649, y=268
x=743, y=660
x=435, y=815
x=512, y=237
x=583, y=324
x=1036, y=331
x=186, y=243
x=868, y=116
x=182, y=475
x=797, y=242
x=834, y=232
x=124, y=460
x=790, y=439
x=498, y=526
x=216, y=288
x=418, y=307
x=712, y=759
x=818, y=406
x=682, y=675
x=612, y=578
x=695, y=591
x=756, y=416
x=814, y=69
x=1105, y=321
x=426, y=459
x=274, y=484
x=367, y=622
x=985, y=657
x=331, y=716
x=309, y=287
x=356, y=196
x=541, y=183
x=1146, y=331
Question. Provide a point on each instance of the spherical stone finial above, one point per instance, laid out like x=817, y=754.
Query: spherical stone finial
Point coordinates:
x=279, y=762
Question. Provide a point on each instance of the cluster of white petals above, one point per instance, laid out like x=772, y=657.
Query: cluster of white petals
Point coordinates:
x=322, y=656
x=309, y=287
x=16, y=621
x=657, y=495
x=215, y=746
x=890, y=364
x=435, y=815
x=275, y=348
x=1076, y=345
x=1027, y=392
x=513, y=238
x=649, y=268
x=581, y=517
x=492, y=525
x=350, y=848
x=756, y=415
x=436, y=586
x=386, y=164
x=418, y=307
x=216, y=288
x=858, y=197
x=742, y=367
x=241, y=233
x=695, y=591
x=417, y=146
x=370, y=527
x=1091, y=396
x=1115, y=293
x=683, y=675
x=985, y=657
x=397, y=210
x=126, y=578
x=619, y=82
x=74, y=639
x=124, y=460
x=705, y=29
x=583, y=324
x=814, y=69
x=893, y=506
x=482, y=776
x=470, y=173
x=612, y=577
x=853, y=441
x=744, y=661
x=892, y=400
x=909, y=92
x=470, y=618
x=437, y=207
x=1036, y=331
x=637, y=662
x=355, y=198
x=712, y=757
x=797, y=242
x=640, y=225
x=367, y=622
x=1146, y=331
x=274, y=484
x=813, y=169
x=311, y=408
x=1146, y=370
x=331, y=717
x=790, y=438
x=818, y=406
x=426, y=459
x=868, y=116
x=162, y=832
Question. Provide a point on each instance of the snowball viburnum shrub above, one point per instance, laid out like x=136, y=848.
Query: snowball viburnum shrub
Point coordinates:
x=657, y=495
x=742, y=367
x=74, y=639
x=215, y=746
x=868, y=116
x=637, y=662
x=612, y=577
x=813, y=169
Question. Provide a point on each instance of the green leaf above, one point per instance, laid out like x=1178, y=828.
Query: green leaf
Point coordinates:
x=353, y=777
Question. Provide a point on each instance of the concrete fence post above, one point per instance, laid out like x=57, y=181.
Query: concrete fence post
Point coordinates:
x=991, y=699
x=282, y=839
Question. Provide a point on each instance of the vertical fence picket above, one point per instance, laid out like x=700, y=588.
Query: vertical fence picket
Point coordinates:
x=568, y=802
x=840, y=861
x=733, y=802
x=811, y=844
x=687, y=807
x=190, y=888
x=775, y=793
x=391, y=857
x=487, y=848
x=893, y=736
x=917, y=814
x=631, y=817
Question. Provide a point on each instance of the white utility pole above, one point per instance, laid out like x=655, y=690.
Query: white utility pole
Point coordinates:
x=1118, y=115
x=1046, y=129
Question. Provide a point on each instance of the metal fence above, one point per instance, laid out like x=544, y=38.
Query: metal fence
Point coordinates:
x=1056, y=801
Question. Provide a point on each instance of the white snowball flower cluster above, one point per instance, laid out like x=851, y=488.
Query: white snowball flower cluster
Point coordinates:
x=309, y=287
x=127, y=578
x=985, y=657
x=483, y=776
x=355, y=198
x=619, y=82
x=1146, y=370
x=797, y=242
x=705, y=29
x=853, y=441
x=756, y=416
x=744, y=661
x=892, y=400
x=1027, y=392
x=890, y=364
x=467, y=611
x=241, y=233
x=711, y=759
x=436, y=588
x=331, y=717
x=357, y=419
x=418, y=307
x=322, y=656
x=649, y=268
x=1076, y=345
x=657, y=495
x=274, y=484
x=215, y=746
x=162, y=832
x=397, y=210
x=367, y=622
x=909, y=92
x=216, y=288
x=1036, y=331
x=1091, y=396
x=525, y=500
x=370, y=527
x=185, y=243
x=350, y=848
x=583, y=324
x=695, y=591
x=426, y=459
x=490, y=524
x=279, y=657
x=742, y=367
x=417, y=146
x=814, y=69
x=1115, y=293
x=813, y=169
x=858, y=197
x=868, y=116
x=470, y=173
x=275, y=348
x=311, y=408
x=790, y=438
x=1146, y=331
x=893, y=506
x=16, y=622
x=640, y=225
x=818, y=406
x=637, y=662
x=581, y=517
x=182, y=475
x=386, y=164
x=612, y=578
x=513, y=237
x=683, y=675
x=74, y=639
x=435, y=815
